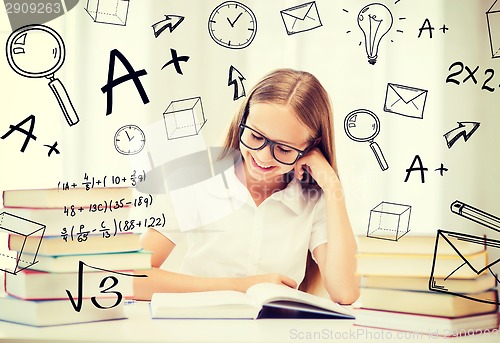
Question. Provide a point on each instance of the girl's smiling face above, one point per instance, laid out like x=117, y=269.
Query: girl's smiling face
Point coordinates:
x=280, y=124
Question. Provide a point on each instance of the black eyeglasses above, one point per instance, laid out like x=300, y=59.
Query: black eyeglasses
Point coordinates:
x=282, y=153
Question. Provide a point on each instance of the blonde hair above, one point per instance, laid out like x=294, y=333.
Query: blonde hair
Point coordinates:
x=304, y=93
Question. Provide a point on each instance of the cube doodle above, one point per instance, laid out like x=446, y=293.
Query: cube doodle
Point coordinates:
x=493, y=20
x=113, y=12
x=15, y=261
x=389, y=221
x=184, y=118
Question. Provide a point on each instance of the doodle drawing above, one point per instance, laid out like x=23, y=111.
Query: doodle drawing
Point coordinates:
x=469, y=265
x=184, y=118
x=374, y=20
x=11, y=261
x=464, y=129
x=301, y=18
x=493, y=21
x=114, y=12
x=476, y=215
x=232, y=25
x=404, y=100
x=389, y=221
x=36, y=51
x=363, y=126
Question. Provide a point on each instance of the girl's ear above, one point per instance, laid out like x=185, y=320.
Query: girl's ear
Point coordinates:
x=316, y=142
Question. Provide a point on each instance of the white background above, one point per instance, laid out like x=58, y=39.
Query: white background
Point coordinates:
x=332, y=52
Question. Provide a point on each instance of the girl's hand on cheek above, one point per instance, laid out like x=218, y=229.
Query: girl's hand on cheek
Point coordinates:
x=316, y=164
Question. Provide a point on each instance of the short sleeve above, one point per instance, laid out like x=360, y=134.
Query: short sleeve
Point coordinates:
x=196, y=206
x=319, y=228
x=185, y=204
x=170, y=207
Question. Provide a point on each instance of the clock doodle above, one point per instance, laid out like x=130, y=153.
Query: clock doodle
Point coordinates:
x=129, y=140
x=232, y=25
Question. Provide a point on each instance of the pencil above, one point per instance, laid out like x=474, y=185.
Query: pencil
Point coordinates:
x=476, y=215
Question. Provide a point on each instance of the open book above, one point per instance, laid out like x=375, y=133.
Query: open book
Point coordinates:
x=264, y=300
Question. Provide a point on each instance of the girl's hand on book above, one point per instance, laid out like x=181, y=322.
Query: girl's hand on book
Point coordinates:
x=248, y=281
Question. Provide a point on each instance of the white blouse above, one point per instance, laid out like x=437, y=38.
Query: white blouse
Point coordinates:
x=229, y=236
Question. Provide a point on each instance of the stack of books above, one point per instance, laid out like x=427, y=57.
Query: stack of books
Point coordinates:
x=68, y=255
x=438, y=285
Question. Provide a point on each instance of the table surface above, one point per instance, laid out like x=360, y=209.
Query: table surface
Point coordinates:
x=139, y=327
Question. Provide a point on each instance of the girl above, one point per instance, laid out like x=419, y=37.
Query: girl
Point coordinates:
x=290, y=225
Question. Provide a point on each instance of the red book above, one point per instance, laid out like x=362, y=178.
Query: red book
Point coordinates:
x=37, y=285
x=110, y=197
x=431, y=325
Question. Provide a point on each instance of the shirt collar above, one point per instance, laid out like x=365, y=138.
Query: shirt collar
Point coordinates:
x=227, y=185
x=291, y=196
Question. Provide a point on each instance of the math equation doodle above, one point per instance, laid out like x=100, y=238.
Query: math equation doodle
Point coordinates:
x=109, y=205
x=81, y=232
x=457, y=68
x=106, y=291
x=90, y=182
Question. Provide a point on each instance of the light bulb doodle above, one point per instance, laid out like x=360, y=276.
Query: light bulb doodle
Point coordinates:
x=374, y=20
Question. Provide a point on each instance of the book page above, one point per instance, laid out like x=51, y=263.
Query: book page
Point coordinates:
x=266, y=293
x=212, y=304
x=201, y=299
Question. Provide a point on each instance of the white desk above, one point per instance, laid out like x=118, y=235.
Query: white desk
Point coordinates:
x=139, y=327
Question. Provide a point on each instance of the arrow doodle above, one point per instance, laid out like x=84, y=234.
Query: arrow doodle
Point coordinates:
x=465, y=129
x=236, y=79
x=170, y=22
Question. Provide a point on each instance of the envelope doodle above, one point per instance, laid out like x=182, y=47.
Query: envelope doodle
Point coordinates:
x=470, y=261
x=404, y=100
x=301, y=18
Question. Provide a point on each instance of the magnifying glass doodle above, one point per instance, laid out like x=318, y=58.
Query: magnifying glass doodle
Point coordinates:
x=36, y=51
x=363, y=126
